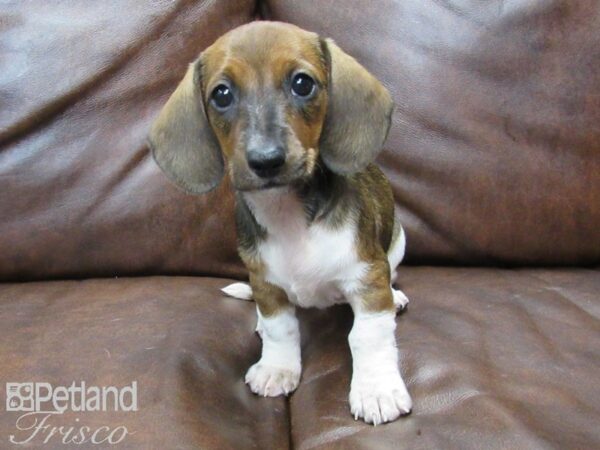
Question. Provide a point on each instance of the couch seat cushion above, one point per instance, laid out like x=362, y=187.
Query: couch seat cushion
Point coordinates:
x=493, y=359
x=185, y=345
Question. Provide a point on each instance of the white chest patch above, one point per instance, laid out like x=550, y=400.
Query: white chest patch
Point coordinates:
x=315, y=265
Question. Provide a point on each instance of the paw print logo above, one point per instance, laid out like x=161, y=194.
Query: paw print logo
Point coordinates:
x=19, y=397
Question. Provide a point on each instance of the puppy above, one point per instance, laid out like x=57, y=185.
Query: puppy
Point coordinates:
x=297, y=122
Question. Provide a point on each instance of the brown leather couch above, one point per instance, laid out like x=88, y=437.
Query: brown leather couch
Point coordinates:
x=112, y=275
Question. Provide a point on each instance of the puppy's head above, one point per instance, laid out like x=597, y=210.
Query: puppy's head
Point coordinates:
x=269, y=100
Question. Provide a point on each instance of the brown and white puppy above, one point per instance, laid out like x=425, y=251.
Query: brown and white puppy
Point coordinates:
x=297, y=122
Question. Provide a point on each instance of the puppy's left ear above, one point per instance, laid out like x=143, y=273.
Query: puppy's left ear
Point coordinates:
x=359, y=113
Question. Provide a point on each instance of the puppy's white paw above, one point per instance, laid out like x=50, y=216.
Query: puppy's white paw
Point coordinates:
x=400, y=300
x=270, y=381
x=378, y=401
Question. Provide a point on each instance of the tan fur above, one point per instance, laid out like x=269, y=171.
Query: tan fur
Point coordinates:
x=375, y=230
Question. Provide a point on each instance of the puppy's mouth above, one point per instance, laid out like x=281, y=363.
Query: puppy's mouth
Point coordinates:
x=287, y=179
x=272, y=184
x=267, y=184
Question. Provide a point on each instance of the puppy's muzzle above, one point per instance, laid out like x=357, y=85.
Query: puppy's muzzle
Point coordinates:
x=266, y=163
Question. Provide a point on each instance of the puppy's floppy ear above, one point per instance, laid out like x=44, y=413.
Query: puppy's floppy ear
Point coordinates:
x=182, y=142
x=358, y=115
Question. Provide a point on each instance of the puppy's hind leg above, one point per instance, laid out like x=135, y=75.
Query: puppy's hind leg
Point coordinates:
x=400, y=299
x=242, y=291
x=395, y=256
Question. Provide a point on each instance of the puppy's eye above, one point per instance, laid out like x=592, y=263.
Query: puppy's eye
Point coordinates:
x=222, y=97
x=302, y=85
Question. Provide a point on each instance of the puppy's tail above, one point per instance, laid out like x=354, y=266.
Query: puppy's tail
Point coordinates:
x=242, y=291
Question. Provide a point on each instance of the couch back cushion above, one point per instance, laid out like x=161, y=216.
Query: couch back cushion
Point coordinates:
x=80, y=195
x=494, y=153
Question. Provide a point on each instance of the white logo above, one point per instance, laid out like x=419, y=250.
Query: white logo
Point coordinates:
x=19, y=397
x=40, y=402
x=43, y=397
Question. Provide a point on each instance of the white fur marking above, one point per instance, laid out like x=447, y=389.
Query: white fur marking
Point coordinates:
x=238, y=290
x=313, y=264
x=278, y=370
x=377, y=392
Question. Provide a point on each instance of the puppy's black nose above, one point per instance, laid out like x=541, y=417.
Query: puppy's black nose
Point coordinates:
x=266, y=163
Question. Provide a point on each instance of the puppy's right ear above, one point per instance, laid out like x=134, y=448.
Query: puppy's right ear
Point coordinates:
x=181, y=140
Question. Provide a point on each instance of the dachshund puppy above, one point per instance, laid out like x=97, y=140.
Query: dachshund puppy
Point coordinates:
x=296, y=123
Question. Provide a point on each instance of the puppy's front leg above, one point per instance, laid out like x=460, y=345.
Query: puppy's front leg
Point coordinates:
x=377, y=392
x=278, y=370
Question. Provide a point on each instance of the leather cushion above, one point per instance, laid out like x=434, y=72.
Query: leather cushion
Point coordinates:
x=493, y=151
x=80, y=194
x=493, y=359
x=492, y=154
x=186, y=346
